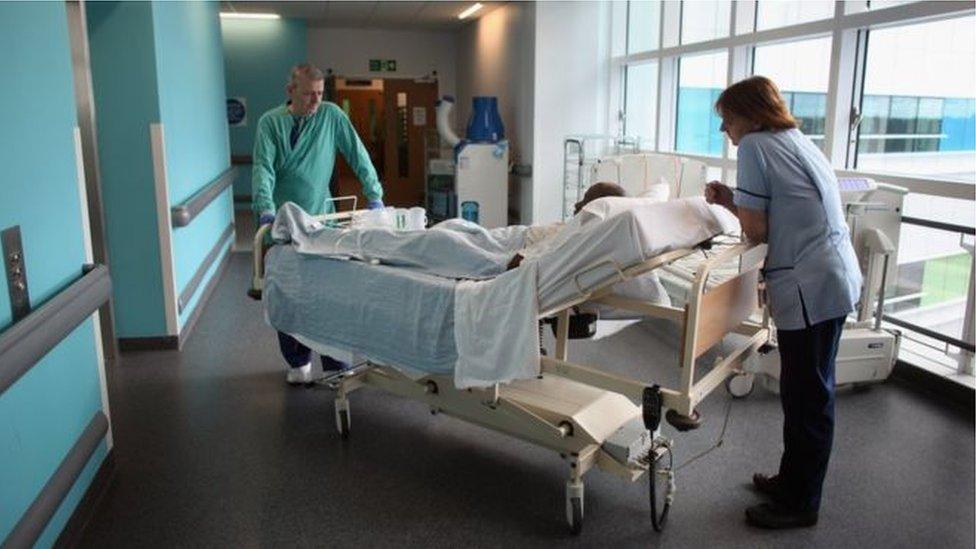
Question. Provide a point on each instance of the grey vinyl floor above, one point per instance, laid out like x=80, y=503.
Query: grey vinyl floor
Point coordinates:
x=213, y=449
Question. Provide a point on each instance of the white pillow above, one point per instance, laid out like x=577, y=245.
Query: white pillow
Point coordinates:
x=604, y=208
x=609, y=206
x=660, y=192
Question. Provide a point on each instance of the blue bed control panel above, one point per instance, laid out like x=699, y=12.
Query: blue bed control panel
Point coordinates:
x=856, y=184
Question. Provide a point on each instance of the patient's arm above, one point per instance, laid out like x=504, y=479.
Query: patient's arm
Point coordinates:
x=515, y=262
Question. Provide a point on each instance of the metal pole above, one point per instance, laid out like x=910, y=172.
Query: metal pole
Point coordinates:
x=881, y=295
x=965, y=359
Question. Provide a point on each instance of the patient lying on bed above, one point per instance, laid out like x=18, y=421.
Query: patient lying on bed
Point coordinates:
x=539, y=239
x=446, y=290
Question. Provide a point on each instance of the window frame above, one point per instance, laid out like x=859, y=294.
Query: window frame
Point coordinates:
x=848, y=28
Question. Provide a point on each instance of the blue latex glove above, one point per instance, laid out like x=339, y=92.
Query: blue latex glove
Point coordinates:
x=374, y=204
x=266, y=219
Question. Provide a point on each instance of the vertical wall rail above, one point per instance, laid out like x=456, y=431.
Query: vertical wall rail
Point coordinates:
x=163, y=223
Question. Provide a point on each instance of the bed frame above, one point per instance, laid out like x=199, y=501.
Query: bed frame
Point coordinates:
x=593, y=418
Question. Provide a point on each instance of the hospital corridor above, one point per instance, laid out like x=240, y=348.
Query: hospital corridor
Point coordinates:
x=601, y=273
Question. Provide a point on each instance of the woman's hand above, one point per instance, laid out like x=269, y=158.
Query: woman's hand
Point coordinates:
x=718, y=193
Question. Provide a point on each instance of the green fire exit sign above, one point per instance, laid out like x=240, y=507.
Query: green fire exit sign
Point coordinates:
x=382, y=65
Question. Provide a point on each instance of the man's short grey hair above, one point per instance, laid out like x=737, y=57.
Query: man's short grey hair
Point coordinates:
x=307, y=71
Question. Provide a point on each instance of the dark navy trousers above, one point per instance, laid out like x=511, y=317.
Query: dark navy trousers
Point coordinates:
x=806, y=386
x=298, y=355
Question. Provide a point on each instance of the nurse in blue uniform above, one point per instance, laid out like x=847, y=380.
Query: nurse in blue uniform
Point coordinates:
x=786, y=195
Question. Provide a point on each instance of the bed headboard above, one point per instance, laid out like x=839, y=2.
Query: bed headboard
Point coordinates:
x=637, y=173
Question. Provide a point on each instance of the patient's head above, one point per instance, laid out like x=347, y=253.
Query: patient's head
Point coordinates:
x=599, y=190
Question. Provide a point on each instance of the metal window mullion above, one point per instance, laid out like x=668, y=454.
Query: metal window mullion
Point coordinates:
x=670, y=34
x=740, y=67
x=667, y=103
x=840, y=92
x=662, y=79
x=743, y=17
x=857, y=97
x=617, y=98
x=614, y=103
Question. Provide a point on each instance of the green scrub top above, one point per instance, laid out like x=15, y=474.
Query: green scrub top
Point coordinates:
x=301, y=174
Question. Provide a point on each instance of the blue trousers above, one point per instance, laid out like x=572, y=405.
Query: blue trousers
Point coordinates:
x=298, y=355
x=806, y=386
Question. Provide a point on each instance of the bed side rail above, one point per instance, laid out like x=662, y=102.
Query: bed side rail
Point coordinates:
x=620, y=274
x=709, y=316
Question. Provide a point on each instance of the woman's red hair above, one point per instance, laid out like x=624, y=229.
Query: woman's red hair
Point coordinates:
x=757, y=99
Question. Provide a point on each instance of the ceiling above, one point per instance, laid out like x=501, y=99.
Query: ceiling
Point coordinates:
x=391, y=15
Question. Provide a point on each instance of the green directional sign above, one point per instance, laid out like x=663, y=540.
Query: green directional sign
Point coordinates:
x=382, y=65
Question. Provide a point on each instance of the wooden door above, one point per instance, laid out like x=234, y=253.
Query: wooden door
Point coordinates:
x=408, y=107
x=362, y=101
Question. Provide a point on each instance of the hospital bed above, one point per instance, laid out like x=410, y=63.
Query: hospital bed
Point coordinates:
x=592, y=418
x=867, y=351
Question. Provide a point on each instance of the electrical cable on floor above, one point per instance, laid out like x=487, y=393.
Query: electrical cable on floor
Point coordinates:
x=658, y=521
x=721, y=439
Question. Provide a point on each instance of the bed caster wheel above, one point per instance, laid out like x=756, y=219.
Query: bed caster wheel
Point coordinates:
x=740, y=385
x=574, y=506
x=684, y=423
x=342, y=418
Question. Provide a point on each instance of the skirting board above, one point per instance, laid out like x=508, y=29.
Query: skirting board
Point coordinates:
x=75, y=527
x=175, y=343
x=943, y=391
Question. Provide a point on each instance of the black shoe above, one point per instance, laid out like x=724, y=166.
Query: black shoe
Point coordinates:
x=767, y=485
x=778, y=517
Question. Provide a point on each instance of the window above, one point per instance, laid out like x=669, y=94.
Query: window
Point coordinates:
x=912, y=74
x=919, y=101
x=641, y=103
x=704, y=20
x=932, y=283
x=801, y=71
x=702, y=78
x=771, y=14
x=644, y=30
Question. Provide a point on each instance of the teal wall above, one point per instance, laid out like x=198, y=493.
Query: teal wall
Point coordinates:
x=257, y=57
x=123, y=67
x=192, y=106
x=192, y=101
x=44, y=412
x=174, y=49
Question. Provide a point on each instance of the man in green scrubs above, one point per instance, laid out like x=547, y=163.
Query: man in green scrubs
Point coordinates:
x=294, y=157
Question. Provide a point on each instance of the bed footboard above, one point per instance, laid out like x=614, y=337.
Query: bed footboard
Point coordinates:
x=260, y=246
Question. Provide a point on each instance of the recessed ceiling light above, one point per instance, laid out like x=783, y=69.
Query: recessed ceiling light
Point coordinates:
x=470, y=10
x=238, y=15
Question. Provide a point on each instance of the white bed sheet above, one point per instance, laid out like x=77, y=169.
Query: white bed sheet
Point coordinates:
x=309, y=293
